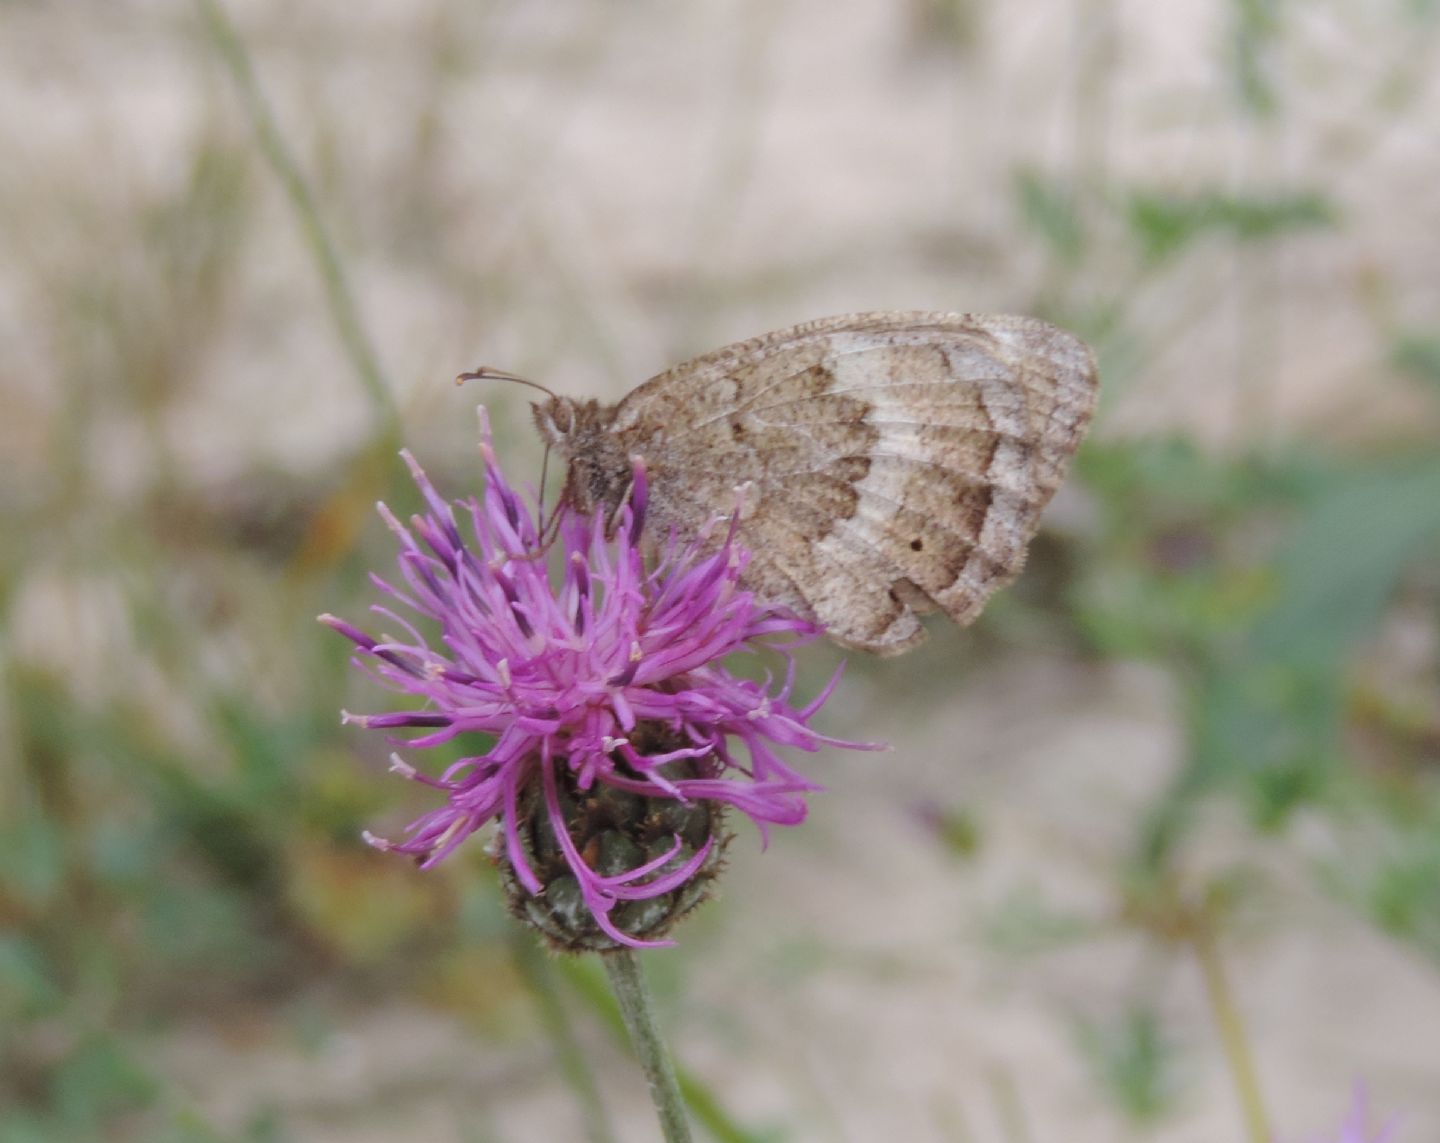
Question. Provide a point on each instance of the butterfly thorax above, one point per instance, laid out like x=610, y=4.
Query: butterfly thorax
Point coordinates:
x=599, y=468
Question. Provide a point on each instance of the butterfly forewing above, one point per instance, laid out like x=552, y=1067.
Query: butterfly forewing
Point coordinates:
x=895, y=461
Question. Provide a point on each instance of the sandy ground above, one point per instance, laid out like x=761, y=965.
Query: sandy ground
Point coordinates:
x=843, y=988
x=509, y=187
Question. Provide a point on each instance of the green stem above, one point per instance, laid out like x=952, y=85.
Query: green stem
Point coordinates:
x=1232, y=1032
x=343, y=309
x=1008, y=1107
x=637, y=1006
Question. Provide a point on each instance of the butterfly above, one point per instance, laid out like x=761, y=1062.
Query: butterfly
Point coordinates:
x=892, y=463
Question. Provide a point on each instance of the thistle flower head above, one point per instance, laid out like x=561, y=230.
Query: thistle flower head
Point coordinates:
x=607, y=738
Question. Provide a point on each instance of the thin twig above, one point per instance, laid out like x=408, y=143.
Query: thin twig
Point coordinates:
x=1232, y=1031
x=278, y=154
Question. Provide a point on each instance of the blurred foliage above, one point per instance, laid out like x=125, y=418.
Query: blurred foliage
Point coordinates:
x=1134, y=1060
x=1164, y=223
x=180, y=832
x=1255, y=36
x=1258, y=580
x=1048, y=208
x=1271, y=581
x=1418, y=354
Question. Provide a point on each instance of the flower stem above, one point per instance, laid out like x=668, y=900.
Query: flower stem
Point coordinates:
x=637, y=1006
x=277, y=152
x=1232, y=1032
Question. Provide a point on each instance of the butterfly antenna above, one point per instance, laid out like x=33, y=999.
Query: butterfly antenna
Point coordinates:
x=547, y=526
x=544, y=470
x=487, y=373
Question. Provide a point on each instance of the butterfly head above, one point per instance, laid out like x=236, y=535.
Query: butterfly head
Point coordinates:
x=599, y=466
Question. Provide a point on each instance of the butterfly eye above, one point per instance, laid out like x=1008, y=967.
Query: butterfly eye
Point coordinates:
x=562, y=416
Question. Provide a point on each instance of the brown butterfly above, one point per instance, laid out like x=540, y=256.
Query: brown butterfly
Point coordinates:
x=895, y=462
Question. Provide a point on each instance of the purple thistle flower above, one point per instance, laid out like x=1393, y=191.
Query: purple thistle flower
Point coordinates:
x=603, y=695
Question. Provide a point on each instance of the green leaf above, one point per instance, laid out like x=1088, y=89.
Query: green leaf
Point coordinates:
x=1048, y=208
x=1390, y=867
x=32, y=858
x=98, y=1082
x=1028, y=922
x=1256, y=30
x=1266, y=708
x=1134, y=1060
x=27, y=985
x=23, y=1127
x=1165, y=223
x=1345, y=560
x=1418, y=356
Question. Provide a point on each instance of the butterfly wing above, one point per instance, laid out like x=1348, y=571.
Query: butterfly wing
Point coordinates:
x=896, y=461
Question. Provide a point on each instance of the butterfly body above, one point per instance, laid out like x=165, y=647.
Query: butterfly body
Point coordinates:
x=893, y=463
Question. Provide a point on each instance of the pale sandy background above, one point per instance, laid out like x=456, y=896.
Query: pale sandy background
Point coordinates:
x=584, y=192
